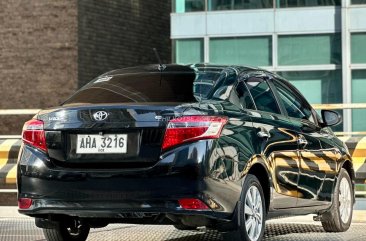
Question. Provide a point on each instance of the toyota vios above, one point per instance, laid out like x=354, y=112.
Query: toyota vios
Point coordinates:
x=225, y=147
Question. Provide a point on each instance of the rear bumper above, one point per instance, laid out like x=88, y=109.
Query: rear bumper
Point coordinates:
x=116, y=193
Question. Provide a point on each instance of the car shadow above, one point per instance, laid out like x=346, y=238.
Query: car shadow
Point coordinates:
x=273, y=232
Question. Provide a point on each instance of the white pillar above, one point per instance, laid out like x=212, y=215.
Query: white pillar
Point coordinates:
x=346, y=62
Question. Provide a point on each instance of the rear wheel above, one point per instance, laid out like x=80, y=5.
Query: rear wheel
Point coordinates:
x=339, y=217
x=252, y=213
x=71, y=231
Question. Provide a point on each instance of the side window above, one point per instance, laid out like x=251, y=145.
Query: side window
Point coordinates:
x=245, y=100
x=293, y=104
x=262, y=95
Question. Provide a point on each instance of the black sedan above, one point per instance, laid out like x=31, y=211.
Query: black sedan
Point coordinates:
x=225, y=147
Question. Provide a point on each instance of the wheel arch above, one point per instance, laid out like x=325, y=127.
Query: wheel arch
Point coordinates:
x=261, y=172
x=347, y=165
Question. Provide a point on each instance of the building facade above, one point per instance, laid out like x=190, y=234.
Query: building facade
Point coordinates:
x=318, y=45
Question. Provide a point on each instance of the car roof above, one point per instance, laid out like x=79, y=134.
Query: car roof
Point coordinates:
x=177, y=68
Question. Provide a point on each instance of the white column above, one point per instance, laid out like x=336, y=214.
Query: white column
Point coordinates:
x=346, y=62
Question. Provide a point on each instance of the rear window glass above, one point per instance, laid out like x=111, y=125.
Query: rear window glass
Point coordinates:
x=149, y=87
x=205, y=80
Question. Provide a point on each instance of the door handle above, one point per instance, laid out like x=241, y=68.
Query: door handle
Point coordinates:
x=301, y=140
x=263, y=133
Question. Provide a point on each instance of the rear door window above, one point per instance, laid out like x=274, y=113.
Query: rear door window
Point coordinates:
x=262, y=95
x=245, y=100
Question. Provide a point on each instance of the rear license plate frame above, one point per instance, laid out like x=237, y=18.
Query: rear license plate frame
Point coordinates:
x=101, y=144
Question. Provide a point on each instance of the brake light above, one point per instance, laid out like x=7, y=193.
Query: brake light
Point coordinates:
x=25, y=203
x=192, y=128
x=192, y=204
x=33, y=134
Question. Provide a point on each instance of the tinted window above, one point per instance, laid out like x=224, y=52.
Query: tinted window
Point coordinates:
x=204, y=82
x=245, y=100
x=145, y=87
x=294, y=105
x=262, y=95
x=224, y=85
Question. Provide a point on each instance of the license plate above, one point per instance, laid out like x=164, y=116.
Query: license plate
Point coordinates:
x=100, y=144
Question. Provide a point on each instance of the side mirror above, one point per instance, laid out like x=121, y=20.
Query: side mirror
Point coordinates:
x=331, y=118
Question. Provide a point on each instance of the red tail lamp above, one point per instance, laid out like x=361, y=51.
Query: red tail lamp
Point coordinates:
x=25, y=203
x=192, y=204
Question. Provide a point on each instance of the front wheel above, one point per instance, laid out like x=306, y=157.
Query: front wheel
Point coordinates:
x=252, y=212
x=339, y=217
x=70, y=231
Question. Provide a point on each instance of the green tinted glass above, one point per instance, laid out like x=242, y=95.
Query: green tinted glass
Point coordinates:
x=255, y=51
x=238, y=4
x=306, y=3
x=309, y=49
x=358, y=96
x=183, y=6
x=318, y=87
x=358, y=48
x=358, y=1
x=188, y=51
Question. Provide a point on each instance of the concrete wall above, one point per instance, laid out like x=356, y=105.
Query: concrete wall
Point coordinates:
x=38, y=56
x=121, y=33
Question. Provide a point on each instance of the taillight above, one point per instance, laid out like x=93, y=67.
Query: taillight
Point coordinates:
x=33, y=134
x=192, y=128
x=25, y=203
x=192, y=204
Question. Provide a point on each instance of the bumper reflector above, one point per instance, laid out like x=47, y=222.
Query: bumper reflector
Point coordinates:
x=192, y=204
x=25, y=203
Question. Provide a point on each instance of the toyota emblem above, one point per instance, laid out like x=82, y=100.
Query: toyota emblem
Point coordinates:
x=100, y=115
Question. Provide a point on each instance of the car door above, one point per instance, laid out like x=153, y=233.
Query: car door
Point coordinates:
x=275, y=141
x=317, y=159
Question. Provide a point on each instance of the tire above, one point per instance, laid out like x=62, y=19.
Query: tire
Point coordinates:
x=246, y=231
x=339, y=216
x=63, y=232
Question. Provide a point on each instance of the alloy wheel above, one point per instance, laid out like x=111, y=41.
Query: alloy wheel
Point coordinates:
x=345, y=200
x=253, y=213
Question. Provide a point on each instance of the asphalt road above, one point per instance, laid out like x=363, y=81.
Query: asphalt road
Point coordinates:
x=15, y=227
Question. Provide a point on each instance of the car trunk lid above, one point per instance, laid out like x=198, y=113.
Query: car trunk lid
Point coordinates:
x=132, y=134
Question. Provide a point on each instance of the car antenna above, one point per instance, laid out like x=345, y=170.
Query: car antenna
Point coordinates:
x=161, y=66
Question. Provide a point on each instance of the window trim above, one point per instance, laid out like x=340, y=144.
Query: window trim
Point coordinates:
x=266, y=78
x=243, y=79
x=297, y=94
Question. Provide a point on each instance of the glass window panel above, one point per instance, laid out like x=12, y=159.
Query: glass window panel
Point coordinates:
x=183, y=6
x=238, y=4
x=358, y=1
x=262, y=95
x=294, y=105
x=309, y=49
x=188, y=51
x=359, y=96
x=306, y=3
x=318, y=87
x=245, y=100
x=255, y=51
x=358, y=48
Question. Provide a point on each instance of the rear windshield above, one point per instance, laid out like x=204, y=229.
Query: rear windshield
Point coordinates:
x=148, y=87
